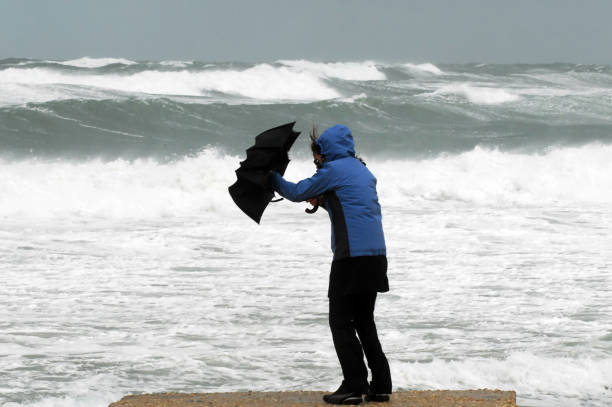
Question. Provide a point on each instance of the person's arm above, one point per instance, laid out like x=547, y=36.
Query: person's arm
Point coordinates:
x=303, y=190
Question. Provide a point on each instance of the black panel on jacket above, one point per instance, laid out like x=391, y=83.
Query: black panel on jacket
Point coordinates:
x=339, y=224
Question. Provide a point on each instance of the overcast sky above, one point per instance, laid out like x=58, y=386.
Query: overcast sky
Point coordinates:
x=503, y=31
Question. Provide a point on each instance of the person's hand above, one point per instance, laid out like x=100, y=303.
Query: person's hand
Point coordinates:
x=316, y=201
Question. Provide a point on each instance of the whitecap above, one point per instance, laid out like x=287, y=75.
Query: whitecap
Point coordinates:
x=262, y=82
x=88, y=62
x=176, y=64
x=478, y=94
x=427, y=68
x=149, y=189
x=349, y=71
x=533, y=377
x=561, y=176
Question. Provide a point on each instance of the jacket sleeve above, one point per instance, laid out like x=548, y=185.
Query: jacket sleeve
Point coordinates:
x=305, y=189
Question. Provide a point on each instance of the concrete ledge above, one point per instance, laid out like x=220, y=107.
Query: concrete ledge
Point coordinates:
x=416, y=398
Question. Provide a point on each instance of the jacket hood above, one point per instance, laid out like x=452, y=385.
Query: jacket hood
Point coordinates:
x=336, y=142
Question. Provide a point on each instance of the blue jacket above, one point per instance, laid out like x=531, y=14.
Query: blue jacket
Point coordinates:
x=349, y=189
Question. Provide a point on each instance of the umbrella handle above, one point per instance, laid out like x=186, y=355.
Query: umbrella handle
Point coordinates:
x=312, y=210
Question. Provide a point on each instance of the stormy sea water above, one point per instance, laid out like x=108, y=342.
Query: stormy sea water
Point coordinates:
x=125, y=267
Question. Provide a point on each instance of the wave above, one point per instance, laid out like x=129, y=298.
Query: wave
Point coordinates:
x=178, y=107
x=540, y=380
x=297, y=81
x=478, y=94
x=197, y=185
x=562, y=176
x=117, y=189
x=176, y=64
x=24, y=80
x=427, y=68
x=88, y=62
x=286, y=80
x=261, y=82
x=350, y=71
x=175, y=126
x=537, y=380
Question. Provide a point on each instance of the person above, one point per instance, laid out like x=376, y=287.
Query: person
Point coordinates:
x=345, y=187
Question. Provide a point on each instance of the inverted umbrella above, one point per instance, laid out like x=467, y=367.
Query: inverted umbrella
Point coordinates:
x=251, y=192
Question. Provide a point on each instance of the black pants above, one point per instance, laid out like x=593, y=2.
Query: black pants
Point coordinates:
x=349, y=316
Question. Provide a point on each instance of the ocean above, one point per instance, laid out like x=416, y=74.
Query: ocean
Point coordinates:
x=125, y=267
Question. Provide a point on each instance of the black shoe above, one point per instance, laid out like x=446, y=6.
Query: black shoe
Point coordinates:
x=343, y=396
x=372, y=395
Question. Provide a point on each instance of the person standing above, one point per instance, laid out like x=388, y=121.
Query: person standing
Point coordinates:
x=345, y=187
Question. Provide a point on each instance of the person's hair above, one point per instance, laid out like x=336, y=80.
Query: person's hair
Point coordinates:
x=314, y=135
x=316, y=148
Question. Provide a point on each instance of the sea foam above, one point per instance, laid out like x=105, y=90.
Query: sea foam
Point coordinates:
x=261, y=82
x=350, y=71
x=91, y=399
x=427, y=68
x=88, y=62
x=146, y=188
x=478, y=94
x=564, y=176
x=533, y=377
x=116, y=189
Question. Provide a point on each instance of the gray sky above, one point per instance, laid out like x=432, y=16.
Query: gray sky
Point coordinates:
x=503, y=31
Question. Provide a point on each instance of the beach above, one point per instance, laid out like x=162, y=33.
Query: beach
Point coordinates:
x=465, y=398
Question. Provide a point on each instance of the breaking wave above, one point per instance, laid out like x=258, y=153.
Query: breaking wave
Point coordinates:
x=34, y=81
x=563, y=176
x=261, y=82
x=88, y=62
x=544, y=380
x=427, y=68
x=176, y=108
x=350, y=71
x=146, y=188
x=299, y=80
x=478, y=94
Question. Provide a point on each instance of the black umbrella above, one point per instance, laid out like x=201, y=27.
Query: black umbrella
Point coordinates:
x=251, y=192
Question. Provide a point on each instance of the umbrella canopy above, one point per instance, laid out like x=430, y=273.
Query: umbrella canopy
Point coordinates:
x=251, y=192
